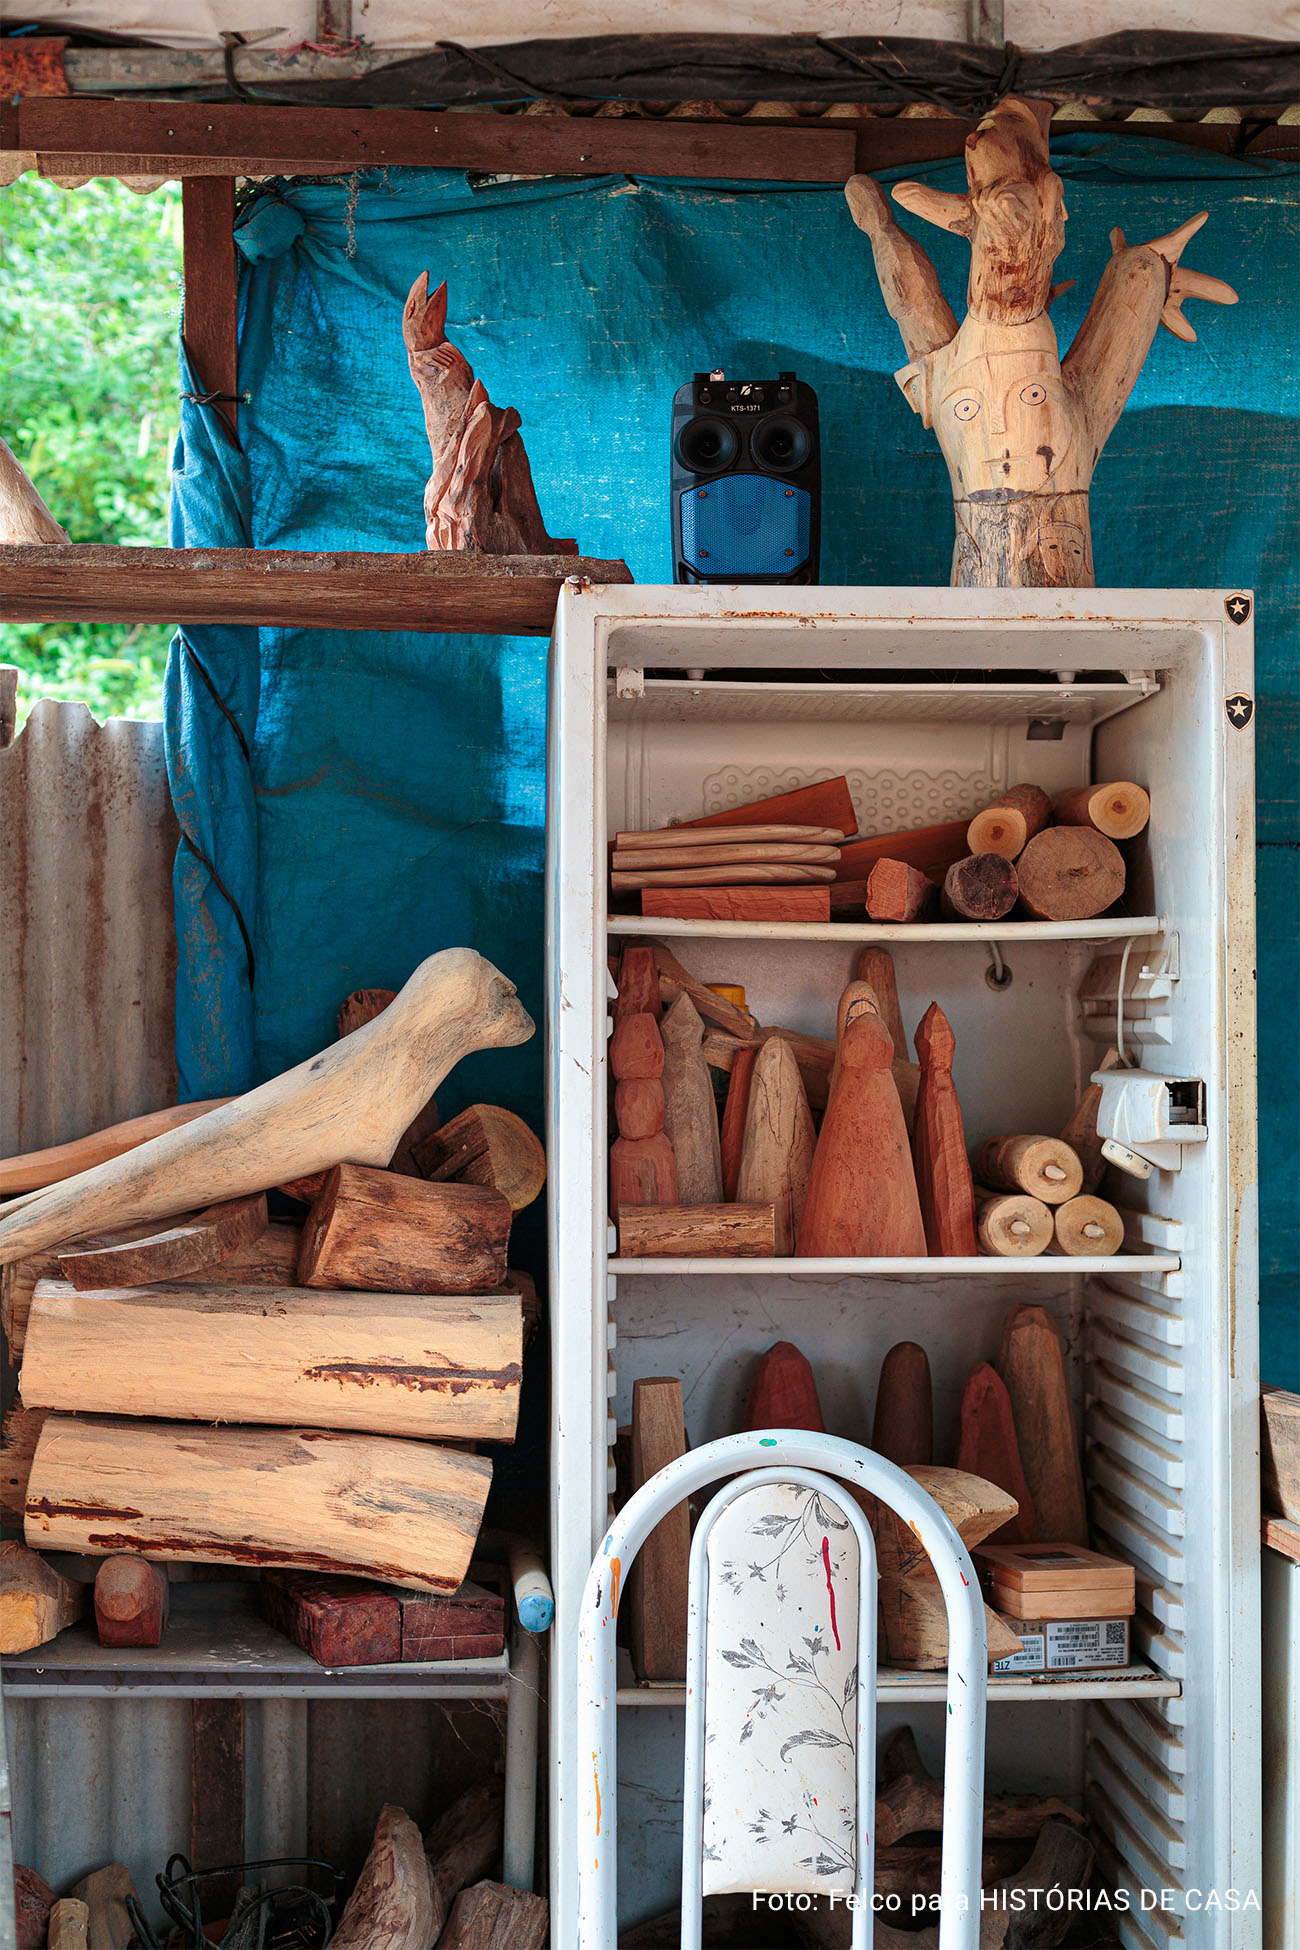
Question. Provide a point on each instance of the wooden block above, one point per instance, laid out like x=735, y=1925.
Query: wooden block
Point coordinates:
x=1009, y=821
x=932, y=849
x=304, y=1499
x=738, y=903
x=395, y=1904
x=642, y=1171
x=485, y=1145
x=761, y=876
x=492, y=1916
x=657, y=1592
x=1045, y=1167
x=639, y=1107
x=987, y=1447
x=1087, y=1225
x=974, y=1507
x=661, y=860
x=393, y=1363
x=732, y=1136
x=171, y=1255
x=674, y=980
x=720, y=1050
x=1070, y=873
x=131, y=1597
x=636, y=1049
x=33, y=1901
x=308, y=1189
x=22, y=1428
x=828, y=804
x=1035, y=1571
x=1280, y=1450
x=777, y=1153
x=1281, y=1535
x=105, y=1893
x=69, y=1925
x=897, y=892
x=690, y=1110
x=943, y=1175
x=36, y=1603
x=464, y=1843
x=783, y=1392
x=696, y=1231
x=356, y=1010
x=903, y=1430
x=1032, y=1364
x=382, y=1232
x=673, y=840
x=848, y=899
x=33, y=1170
x=1013, y=1225
x=467, y=1624
x=638, y=983
x=1119, y=810
x=359, y=1622
x=1081, y=1132
x=982, y=887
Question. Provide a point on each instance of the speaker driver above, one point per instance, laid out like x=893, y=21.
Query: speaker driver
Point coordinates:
x=706, y=444
x=780, y=444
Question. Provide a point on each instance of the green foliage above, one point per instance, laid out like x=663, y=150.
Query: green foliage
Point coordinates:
x=89, y=311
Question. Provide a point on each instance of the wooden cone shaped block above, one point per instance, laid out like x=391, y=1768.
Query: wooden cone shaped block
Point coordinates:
x=1032, y=1364
x=943, y=1174
x=690, y=1112
x=783, y=1392
x=987, y=1447
x=862, y=1198
x=779, y=1141
x=903, y=1429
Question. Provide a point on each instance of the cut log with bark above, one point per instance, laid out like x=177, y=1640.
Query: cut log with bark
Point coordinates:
x=402, y=1364
x=862, y=1200
x=1070, y=873
x=987, y=1447
x=31, y=1171
x=303, y=1499
x=982, y=887
x=943, y=1175
x=828, y=804
x=1032, y=1364
x=1010, y=821
x=493, y=1916
x=106, y=1893
x=387, y=1234
x=1086, y=1226
x=1119, y=810
x=697, y=1231
x=464, y=1843
x=675, y=981
x=181, y=1250
x=1044, y=1167
x=1081, y=1133
x=903, y=1429
x=131, y=1597
x=69, y=1927
x=22, y=1428
x=1013, y=1225
x=656, y=1593
x=36, y=1602
x=783, y=1392
x=485, y=1145
x=360, y=1622
x=355, y=1011
x=779, y=1141
x=33, y=1901
x=897, y=892
x=350, y=1103
x=395, y=1904
x=690, y=1110
x=731, y=903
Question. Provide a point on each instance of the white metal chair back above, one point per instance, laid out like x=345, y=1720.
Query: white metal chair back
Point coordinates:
x=841, y=1856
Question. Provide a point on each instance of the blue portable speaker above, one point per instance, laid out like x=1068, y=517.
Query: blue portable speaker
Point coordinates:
x=746, y=480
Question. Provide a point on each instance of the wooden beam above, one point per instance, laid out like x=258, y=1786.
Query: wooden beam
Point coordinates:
x=217, y=1794
x=504, y=595
x=75, y=136
x=212, y=289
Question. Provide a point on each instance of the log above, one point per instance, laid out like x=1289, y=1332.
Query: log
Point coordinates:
x=690, y=1111
x=674, y=840
x=639, y=1107
x=738, y=903
x=385, y=1233
x=303, y=1499
x=657, y=1586
x=131, y=1597
x=1119, y=810
x=105, y=1893
x=36, y=1603
x=636, y=1049
x=862, y=1200
x=638, y=983
x=642, y=1171
x=492, y=1916
x=931, y=849
x=1036, y=1904
x=1280, y=1450
x=783, y=1392
x=667, y=860
x=982, y=887
x=69, y=1925
x=759, y=876
x=732, y=1137
x=897, y=892
x=674, y=980
x=395, y=1905
x=827, y=804
x=1009, y=821
x=1032, y=1364
x=779, y=1141
x=943, y=1175
x=353, y=1102
x=464, y=1843
x=696, y=1231
x=172, y=1255
x=987, y=1447
x=355, y=1011
x=1013, y=1225
x=33, y=1901
x=359, y=1622
x=1045, y=1167
x=903, y=1429
x=485, y=1145
x=22, y=1428
x=1070, y=873
x=31, y=1171
x=393, y=1363
x=1086, y=1226
x=913, y=1805
x=1081, y=1133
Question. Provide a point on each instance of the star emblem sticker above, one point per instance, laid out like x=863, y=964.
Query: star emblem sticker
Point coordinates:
x=1238, y=608
x=1240, y=710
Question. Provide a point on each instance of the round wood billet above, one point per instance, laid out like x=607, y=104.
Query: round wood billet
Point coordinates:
x=485, y=1145
x=636, y=1049
x=982, y=887
x=365, y=1506
x=1119, y=810
x=1045, y=1167
x=1070, y=873
x=1087, y=1225
x=1012, y=1225
x=697, y=1231
x=1009, y=821
x=131, y=1600
x=386, y=1233
x=405, y=1364
x=639, y=1107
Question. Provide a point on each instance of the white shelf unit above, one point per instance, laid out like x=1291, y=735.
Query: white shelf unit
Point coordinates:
x=1162, y=1339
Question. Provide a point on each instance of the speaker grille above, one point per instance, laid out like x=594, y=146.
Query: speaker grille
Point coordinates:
x=745, y=525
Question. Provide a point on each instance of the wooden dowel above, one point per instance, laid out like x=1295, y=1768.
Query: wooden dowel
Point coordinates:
x=1119, y=810
x=1045, y=1167
x=1009, y=821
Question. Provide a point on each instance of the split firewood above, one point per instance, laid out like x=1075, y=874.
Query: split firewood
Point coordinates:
x=1045, y=1167
x=779, y=1141
x=131, y=1597
x=931, y=849
x=480, y=494
x=486, y=1145
x=943, y=1175
x=690, y=1110
x=1013, y=1225
x=493, y=1916
x=394, y=1363
x=363, y=1505
x=69, y=1926
x=783, y=1392
x=464, y=1843
x=22, y=1428
x=36, y=1602
x=31, y=1171
x=271, y=1260
x=674, y=981
x=913, y=1805
x=898, y=892
x=172, y=1255
x=903, y=1429
x=899, y=1755
x=355, y=1011
x=1280, y=1450
x=1081, y=1133
x=376, y=1230
x=1010, y=821
x=1035, y=1903
x=828, y=804
x=697, y=1231
x=657, y=1582
x=638, y=983
x=730, y=903
x=1070, y=873
x=987, y=1447
x=1087, y=1226
x=353, y=1101
x=33, y=1901
x=862, y=1200
x=732, y=1137
x=395, y=1905
x=1032, y=1364
x=106, y=1893
x=982, y=887
x=1119, y=810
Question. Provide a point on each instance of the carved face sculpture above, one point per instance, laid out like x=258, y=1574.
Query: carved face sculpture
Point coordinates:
x=1003, y=414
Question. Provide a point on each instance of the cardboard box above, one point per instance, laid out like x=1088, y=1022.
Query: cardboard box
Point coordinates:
x=1066, y=1644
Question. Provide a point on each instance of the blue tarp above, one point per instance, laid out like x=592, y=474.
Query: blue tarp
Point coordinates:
x=365, y=798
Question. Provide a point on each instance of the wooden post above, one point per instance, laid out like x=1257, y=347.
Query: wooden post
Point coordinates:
x=217, y=1794
x=212, y=291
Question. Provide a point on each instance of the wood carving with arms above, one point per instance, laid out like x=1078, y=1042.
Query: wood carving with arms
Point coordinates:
x=1021, y=428
x=480, y=494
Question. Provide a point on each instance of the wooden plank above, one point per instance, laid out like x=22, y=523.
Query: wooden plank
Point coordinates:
x=217, y=1794
x=80, y=137
x=436, y=591
x=211, y=322
x=658, y=1584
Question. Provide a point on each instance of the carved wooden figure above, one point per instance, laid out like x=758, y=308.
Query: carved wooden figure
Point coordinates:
x=862, y=1198
x=1020, y=427
x=943, y=1174
x=690, y=1113
x=642, y=1166
x=777, y=1153
x=480, y=494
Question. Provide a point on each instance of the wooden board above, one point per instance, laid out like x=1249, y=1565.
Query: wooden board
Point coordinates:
x=657, y=1593
x=770, y=853
x=671, y=839
x=211, y=319
x=778, y=875
x=734, y=1114
x=675, y=980
x=930, y=848
x=828, y=804
x=359, y=1622
x=738, y=903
